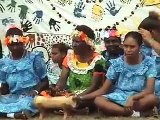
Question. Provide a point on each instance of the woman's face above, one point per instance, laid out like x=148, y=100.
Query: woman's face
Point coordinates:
x=56, y=55
x=79, y=46
x=16, y=47
x=131, y=47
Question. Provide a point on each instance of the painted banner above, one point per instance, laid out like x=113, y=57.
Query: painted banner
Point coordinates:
x=51, y=21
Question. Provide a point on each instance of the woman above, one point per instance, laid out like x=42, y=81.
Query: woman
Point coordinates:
x=134, y=76
x=82, y=65
x=150, y=30
x=23, y=74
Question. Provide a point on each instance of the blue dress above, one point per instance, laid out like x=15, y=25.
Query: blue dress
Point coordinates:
x=131, y=79
x=21, y=75
x=145, y=50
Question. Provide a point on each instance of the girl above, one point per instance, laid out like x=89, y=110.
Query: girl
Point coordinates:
x=58, y=53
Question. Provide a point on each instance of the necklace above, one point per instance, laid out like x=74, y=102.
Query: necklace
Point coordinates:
x=11, y=56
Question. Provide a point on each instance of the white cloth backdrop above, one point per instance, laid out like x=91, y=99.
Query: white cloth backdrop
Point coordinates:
x=51, y=21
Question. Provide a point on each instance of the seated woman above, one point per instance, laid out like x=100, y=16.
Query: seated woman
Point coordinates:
x=22, y=76
x=134, y=75
x=82, y=67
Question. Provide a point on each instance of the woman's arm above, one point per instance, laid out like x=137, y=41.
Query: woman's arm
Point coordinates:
x=97, y=80
x=103, y=90
x=63, y=78
x=147, y=37
x=155, y=45
x=148, y=90
x=42, y=85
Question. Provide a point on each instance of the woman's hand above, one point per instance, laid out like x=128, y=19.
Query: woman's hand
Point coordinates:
x=145, y=34
x=4, y=89
x=129, y=104
x=77, y=98
x=34, y=93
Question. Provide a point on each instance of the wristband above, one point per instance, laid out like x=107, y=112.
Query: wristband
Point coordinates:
x=0, y=85
x=36, y=91
x=81, y=97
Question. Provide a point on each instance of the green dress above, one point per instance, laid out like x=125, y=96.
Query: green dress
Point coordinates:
x=80, y=76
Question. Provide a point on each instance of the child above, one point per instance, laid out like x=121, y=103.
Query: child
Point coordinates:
x=58, y=53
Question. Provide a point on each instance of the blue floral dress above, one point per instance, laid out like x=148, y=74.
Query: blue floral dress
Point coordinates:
x=21, y=75
x=131, y=79
x=145, y=50
x=157, y=80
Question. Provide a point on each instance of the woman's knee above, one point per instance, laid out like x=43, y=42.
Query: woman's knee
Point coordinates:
x=152, y=99
x=148, y=102
x=99, y=100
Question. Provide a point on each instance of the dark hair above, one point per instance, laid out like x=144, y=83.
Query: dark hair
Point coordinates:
x=136, y=36
x=152, y=22
x=14, y=31
x=63, y=48
x=87, y=30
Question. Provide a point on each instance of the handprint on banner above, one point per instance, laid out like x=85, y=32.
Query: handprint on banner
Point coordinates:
x=78, y=9
x=23, y=11
x=38, y=17
x=64, y=2
x=111, y=8
x=126, y=1
x=92, y=1
x=27, y=25
x=8, y=20
x=29, y=1
x=53, y=24
x=12, y=6
x=98, y=37
x=2, y=9
x=41, y=1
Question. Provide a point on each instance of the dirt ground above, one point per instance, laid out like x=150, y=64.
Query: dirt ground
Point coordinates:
x=90, y=117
